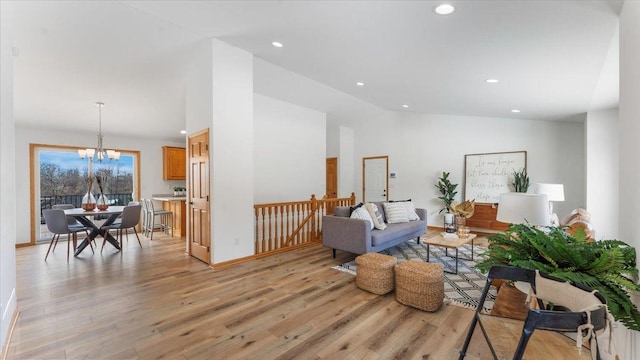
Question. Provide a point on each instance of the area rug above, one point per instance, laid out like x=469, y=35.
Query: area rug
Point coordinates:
x=462, y=289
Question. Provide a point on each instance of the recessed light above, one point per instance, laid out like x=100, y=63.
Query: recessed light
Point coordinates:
x=444, y=9
x=405, y=106
x=492, y=81
x=359, y=83
x=277, y=44
x=183, y=132
x=515, y=110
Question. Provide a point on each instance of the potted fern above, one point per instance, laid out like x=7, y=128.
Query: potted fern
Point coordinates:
x=607, y=266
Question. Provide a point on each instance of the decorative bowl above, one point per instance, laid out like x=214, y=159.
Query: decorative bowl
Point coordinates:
x=88, y=206
x=103, y=207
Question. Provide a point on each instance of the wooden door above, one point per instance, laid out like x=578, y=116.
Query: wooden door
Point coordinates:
x=199, y=214
x=375, y=172
x=332, y=178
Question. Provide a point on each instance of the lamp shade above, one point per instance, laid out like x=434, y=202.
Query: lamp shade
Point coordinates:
x=522, y=208
x=554, y=192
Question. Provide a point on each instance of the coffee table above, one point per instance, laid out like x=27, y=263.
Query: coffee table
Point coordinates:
x=449, y=243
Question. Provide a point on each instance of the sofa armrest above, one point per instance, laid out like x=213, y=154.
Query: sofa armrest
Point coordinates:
x=352, y=235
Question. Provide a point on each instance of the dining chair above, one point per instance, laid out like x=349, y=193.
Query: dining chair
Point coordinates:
x=166, y=219
x=58, y=224
x=129, y=220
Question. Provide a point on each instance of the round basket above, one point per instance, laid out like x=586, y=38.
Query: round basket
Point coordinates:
x=374, y=273
x=420, y=285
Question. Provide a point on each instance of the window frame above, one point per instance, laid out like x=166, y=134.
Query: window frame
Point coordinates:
x=34, y=180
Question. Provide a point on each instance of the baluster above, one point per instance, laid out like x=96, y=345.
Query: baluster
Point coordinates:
x=264, y=245
x=255, y=237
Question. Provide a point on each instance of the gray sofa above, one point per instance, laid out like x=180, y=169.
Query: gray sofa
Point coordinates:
x=341, y=232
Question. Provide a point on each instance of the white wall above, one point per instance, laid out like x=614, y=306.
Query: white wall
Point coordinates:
x=426, y=145
x=602, y=168
x=421, y=146
x=289, y=151
x=150, y=163
x=231, y=154
x=628, y=342
x=346, y=163
x=7, y=179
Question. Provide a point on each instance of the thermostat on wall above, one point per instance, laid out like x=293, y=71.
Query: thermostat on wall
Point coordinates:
x=392, y=174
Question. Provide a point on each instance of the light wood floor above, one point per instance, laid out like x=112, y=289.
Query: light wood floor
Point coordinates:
x=157, y=302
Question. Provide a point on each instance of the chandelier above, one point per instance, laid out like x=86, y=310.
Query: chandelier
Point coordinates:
x=99, y=152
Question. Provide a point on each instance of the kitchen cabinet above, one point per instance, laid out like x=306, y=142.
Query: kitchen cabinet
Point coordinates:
x=174, y=163
x=178, y=206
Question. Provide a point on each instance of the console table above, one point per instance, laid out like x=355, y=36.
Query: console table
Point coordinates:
x=484, y=217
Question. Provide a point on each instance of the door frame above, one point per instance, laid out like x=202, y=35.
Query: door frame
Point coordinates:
x=386, y=179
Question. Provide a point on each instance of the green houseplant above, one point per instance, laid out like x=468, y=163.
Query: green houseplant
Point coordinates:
x=448, y=191
x=520, y=181
x=607, y=266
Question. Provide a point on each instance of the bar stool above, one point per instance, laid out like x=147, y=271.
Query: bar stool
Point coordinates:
x=166, y=219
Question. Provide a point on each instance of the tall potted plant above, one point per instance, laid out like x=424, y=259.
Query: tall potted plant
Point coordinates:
x=607, y=266
x=448, y=191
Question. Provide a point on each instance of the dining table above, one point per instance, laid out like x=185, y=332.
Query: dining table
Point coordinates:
x=83, y=216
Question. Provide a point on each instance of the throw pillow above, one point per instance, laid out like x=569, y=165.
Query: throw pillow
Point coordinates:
x=363, y=214
x=353, y=208
x=411, y=209
x=395, y=212
x=376, y=216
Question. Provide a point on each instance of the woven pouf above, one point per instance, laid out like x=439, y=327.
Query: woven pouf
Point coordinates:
x=374, y=273
x=420, y=285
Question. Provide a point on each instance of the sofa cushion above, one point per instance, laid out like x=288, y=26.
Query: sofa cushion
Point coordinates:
x=394, y=231
x=363, y=214
x=341, y=211
x=376, y=216
x=396, y=213
x=411, y=209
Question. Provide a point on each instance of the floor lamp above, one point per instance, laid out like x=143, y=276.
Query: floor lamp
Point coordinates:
x=524, y=208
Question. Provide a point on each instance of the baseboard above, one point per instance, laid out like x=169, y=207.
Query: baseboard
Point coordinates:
x=21, y=245
x=259, y=256
x=7, y=341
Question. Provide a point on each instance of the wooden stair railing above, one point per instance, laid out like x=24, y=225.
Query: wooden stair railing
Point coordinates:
x=289, y=225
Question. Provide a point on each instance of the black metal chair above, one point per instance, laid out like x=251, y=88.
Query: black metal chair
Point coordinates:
x=583, y=310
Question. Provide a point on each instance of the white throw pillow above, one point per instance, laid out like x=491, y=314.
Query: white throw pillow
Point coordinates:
x=411, y=211
x=396, y=212
x=376, y=216
x=363, y=214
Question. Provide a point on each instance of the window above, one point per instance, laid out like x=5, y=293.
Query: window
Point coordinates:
x=60, y=177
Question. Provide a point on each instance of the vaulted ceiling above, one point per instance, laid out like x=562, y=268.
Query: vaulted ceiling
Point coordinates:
x=553, y=59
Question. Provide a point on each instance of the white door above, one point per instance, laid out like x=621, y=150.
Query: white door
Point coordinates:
x=374, y=182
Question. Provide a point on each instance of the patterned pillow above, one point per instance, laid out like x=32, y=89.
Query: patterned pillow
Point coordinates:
x=395, y=212
x=376, y=216
x=363, y=214
x=411, y=209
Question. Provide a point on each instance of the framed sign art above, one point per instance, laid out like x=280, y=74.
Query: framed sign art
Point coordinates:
x=489, y=175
